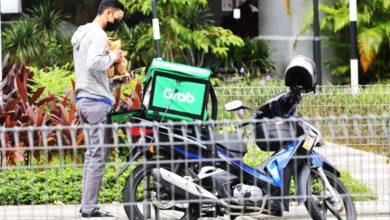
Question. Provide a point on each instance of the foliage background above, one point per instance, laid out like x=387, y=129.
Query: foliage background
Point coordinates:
x=187, y=32
x=373, y=38
x=36, y=39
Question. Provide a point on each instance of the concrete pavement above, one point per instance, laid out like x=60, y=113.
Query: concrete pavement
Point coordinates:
x=366, y=210
x=369, y=168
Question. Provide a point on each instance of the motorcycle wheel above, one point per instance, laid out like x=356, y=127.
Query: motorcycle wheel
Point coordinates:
x=138, y=201
x=319, y=202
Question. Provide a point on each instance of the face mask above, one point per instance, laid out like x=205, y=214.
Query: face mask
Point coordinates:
x=112, y=26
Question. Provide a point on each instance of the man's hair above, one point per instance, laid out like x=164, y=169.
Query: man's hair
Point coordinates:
x=105, y=4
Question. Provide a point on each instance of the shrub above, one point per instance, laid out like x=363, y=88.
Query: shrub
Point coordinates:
x=253, y=58
x=188, y=32
x=56, y=80
x=23, y=42
x=35, y=38
x=56, y=185
x=21, y=109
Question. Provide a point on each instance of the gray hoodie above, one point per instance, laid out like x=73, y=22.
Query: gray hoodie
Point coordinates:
x=91, y=62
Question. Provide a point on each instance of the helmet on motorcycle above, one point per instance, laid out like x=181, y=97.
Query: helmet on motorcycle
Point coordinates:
x=301, y=72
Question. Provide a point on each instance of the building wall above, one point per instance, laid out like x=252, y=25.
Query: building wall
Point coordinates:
x=281, y=31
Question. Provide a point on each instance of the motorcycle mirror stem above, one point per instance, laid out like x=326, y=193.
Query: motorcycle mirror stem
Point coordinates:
x=235, y=105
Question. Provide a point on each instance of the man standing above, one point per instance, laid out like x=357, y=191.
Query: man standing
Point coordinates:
x=94, y=96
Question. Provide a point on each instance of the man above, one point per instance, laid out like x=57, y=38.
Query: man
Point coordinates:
x=94, y=96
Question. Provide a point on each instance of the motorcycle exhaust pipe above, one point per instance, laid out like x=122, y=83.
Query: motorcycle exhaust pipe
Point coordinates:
x=184, y=187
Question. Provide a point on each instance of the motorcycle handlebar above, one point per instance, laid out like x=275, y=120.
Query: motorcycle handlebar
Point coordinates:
x=282, y=106
x=292, y=98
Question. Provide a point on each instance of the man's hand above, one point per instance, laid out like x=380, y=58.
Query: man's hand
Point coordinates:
x=127, y=78
x=120, y=55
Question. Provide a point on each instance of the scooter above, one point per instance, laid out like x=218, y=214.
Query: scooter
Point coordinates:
x=188, y=173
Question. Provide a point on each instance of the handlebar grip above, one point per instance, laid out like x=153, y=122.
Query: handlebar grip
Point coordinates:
x=244, y=124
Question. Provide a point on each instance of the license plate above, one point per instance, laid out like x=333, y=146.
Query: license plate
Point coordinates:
x=309, y=141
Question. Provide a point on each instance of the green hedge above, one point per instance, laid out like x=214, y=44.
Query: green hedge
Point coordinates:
x=53, y=186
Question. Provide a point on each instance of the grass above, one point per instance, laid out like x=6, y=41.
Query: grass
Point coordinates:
x=358, y=190
x=327, y=101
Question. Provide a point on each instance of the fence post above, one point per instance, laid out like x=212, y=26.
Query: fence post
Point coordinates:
x=156, y=28
x=354, y=48
x=317, y=42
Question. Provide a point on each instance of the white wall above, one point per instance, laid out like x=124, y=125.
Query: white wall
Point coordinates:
x=281, y=31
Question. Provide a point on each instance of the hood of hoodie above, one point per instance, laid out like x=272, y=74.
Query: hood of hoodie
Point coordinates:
x=80, y=34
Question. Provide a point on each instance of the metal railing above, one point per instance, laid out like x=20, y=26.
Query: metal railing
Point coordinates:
x=43, y=166
x=326, y=101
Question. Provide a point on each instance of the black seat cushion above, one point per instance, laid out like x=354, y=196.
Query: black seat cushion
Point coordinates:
x=230, y=142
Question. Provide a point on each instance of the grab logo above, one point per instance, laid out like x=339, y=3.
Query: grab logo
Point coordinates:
x=181, y=97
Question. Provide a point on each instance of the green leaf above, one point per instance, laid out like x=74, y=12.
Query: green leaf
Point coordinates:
x=386, y=4
x=369, y=41
x=220, y=51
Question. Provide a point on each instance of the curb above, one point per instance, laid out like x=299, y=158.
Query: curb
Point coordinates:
x=70, y=212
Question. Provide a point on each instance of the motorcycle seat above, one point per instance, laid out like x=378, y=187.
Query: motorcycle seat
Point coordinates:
x=230, y=142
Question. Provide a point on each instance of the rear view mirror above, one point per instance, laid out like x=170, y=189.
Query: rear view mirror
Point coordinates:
x=234, y=105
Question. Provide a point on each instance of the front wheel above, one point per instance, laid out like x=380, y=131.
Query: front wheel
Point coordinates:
x=152, y=201
x=320, y=203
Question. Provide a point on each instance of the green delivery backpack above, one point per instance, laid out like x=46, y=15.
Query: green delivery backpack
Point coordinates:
x=177, y=92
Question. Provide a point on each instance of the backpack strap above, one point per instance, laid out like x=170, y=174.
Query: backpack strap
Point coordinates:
x=214, y=103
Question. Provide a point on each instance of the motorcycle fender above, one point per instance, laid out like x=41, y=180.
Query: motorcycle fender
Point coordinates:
x=134, y=154
x=302, y=177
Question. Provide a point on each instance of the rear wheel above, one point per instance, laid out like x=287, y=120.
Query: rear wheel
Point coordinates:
x=153, y=202
x=320, y=203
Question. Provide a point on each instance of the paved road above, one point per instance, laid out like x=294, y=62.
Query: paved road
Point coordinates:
x=369, y=168
x=366, y=210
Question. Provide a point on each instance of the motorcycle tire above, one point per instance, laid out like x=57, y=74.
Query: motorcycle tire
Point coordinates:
x=133, y=212
x=319, y=207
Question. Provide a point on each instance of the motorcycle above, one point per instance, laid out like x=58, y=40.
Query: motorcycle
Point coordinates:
x=188, y=172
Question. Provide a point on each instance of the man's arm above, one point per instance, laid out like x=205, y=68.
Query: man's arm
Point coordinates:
x=97, y=57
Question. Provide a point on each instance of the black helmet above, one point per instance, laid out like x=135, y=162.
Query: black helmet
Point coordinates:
x=301, y=72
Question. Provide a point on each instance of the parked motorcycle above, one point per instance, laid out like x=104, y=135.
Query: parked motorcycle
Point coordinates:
x=187, y=173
